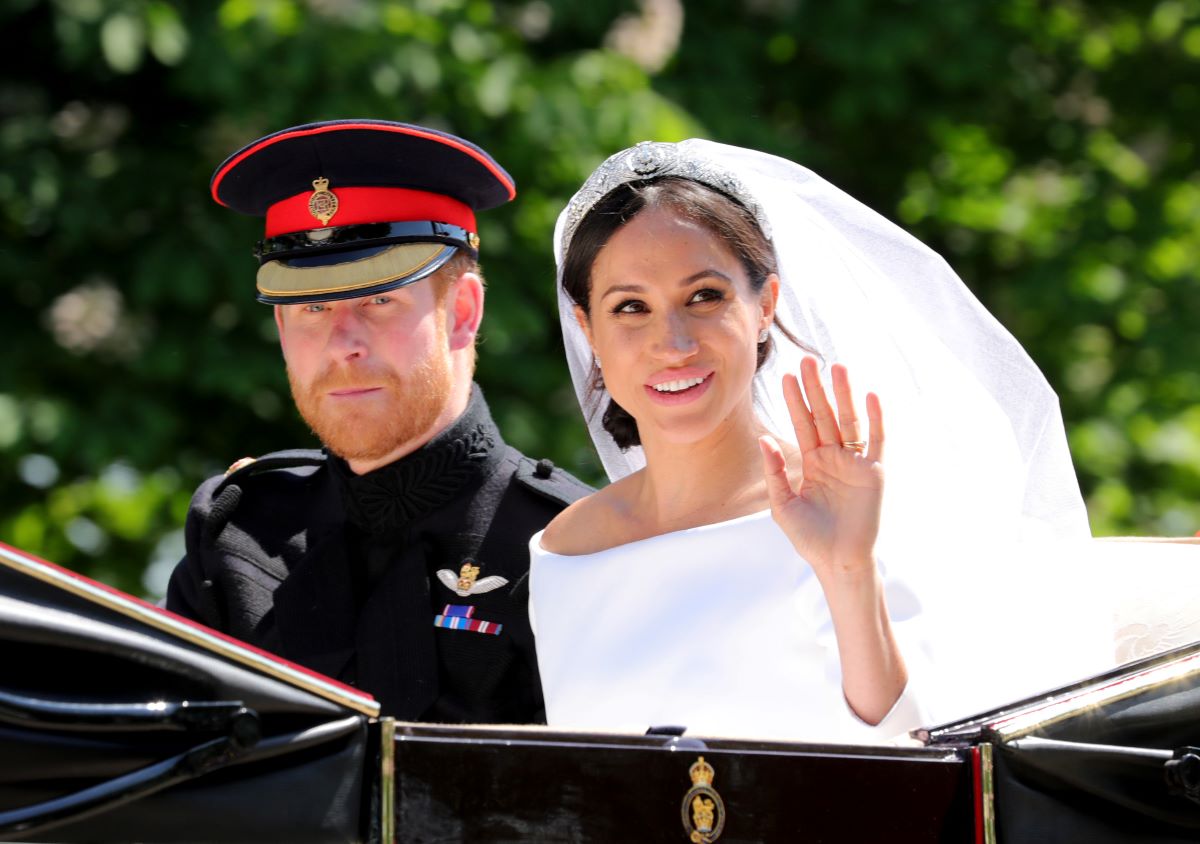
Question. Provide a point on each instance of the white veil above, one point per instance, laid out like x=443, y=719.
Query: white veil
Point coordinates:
x=974, y=431
x=976, y=452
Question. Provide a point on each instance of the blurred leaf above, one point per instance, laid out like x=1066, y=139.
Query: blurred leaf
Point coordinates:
x=1047, y=149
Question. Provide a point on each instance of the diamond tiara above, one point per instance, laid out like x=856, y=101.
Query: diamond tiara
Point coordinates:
x=649, y=160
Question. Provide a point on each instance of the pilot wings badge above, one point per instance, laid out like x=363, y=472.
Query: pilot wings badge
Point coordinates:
x=466, y=582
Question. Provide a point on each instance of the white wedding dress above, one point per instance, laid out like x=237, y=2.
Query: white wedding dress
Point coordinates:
x=722, y=629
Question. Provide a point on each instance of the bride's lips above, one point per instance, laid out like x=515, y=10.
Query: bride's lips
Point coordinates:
x=688, y=394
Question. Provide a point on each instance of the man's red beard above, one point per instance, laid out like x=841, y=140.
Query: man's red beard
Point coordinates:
x=374, y=426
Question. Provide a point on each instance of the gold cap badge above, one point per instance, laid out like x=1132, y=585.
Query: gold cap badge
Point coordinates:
x=323, y=203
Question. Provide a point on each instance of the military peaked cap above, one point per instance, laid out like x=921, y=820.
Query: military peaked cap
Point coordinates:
x=358, y=207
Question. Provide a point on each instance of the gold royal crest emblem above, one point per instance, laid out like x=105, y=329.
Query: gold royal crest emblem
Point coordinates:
x=703, y=809
x=323, y=203
x=466, y=577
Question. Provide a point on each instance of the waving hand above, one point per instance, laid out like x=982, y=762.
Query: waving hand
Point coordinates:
x=829, y=506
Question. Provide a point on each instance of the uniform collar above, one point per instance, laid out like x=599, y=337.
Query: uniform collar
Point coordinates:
x=391, y=497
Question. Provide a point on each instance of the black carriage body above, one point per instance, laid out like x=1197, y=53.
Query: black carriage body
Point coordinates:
x=492, y=785
x=1109, y=760
x=120, y=722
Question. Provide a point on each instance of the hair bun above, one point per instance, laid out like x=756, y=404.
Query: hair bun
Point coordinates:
x=621, y=425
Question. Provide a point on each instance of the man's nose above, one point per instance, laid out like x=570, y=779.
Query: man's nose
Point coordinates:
x=347, y=339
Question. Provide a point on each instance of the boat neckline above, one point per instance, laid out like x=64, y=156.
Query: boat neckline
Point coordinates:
x=748, y=517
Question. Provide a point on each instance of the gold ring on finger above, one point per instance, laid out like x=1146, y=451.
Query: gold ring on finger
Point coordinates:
x=856, y=445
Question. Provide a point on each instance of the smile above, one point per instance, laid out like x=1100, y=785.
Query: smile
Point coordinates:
x=679, y=390
x=678, y=386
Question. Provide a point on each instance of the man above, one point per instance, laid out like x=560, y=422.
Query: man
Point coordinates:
x=396, y=558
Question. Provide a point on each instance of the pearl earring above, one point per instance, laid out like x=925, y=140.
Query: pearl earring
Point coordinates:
x=762, y=335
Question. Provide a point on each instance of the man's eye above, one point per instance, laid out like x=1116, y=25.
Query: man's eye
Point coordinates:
x=314, y=308
x=380, y=300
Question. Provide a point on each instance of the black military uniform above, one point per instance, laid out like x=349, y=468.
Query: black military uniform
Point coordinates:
x=346, y=574
x=410, y=581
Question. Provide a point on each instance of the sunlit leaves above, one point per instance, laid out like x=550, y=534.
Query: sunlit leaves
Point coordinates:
x=137, y=343
x=500, y=83
x=123, y=38
x=282, y=17
x=1118, y=159
x=1166, y=20
x=1047, y=149
x=167, y=38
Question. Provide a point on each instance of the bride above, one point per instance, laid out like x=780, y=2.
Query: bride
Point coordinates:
x=743, y=575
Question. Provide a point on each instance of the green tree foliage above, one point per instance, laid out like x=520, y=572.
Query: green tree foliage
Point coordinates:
x=1046, y=148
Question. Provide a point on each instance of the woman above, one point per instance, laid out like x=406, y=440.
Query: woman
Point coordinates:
x=728, y=580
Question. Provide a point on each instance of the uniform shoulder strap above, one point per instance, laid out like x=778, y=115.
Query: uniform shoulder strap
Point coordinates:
x=292, y=458
x=218, y=497
x=549, y=481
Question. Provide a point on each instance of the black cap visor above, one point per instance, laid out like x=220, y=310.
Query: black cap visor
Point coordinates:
x=338, y=240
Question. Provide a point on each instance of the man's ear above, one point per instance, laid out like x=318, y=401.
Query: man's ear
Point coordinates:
x=464, y=311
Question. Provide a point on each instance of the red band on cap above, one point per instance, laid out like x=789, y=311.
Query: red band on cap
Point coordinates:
x=356, y=206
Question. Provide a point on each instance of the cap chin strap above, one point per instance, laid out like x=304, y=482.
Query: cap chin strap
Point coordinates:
x=335, y=240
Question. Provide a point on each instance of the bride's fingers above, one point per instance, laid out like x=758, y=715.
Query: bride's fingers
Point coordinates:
x=802, y=422
x=822, y=411
x=875, y=420
x=847, y=414
x=779, y=488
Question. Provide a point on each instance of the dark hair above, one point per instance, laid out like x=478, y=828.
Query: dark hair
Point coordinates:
x=722, y=215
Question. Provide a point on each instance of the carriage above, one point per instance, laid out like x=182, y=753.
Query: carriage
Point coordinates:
x=120, y=721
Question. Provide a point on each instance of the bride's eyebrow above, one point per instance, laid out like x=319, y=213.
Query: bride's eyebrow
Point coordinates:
x=684, y=282
x=709, y=273
x=623, y=288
